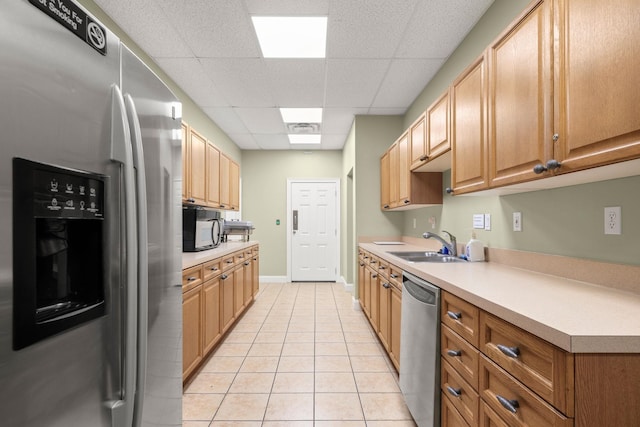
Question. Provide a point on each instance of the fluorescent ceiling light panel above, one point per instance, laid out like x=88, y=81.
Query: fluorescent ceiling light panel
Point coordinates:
x=301, y=115
x=291, y=37
x=304, y=139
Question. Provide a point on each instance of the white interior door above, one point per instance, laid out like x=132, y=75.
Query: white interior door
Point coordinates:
x=314, y=231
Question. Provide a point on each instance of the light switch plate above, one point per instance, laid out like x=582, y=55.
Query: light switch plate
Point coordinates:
x=487, y=222
x=478, y=221
x=517, y=221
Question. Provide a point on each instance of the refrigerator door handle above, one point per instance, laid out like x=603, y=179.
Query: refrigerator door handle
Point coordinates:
x=143, y=257
x=121, y=152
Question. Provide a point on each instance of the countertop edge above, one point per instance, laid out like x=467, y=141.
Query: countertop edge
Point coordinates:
x=539, y=321
x=192, y=259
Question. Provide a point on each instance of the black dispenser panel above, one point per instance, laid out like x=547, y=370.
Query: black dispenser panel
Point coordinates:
x=58, y=249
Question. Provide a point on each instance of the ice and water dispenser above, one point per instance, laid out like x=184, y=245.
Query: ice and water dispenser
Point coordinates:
x=58, y=249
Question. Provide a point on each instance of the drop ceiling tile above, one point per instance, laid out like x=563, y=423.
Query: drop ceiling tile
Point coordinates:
x=245, y=141
x=227, y=119
x=439, y=26
x=261, y=120
x=288, y=7
x=404, y=81
x=147, y=25
x=353, y=82
x=214, y=28
x=339, y=120
x=272, y=142
x=387, y=111
x=367, y=28
x=333, y=141
x=243, y=82
x=296, y=83
x=191, y=76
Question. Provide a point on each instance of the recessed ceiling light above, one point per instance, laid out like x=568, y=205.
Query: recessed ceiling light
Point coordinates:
x=301, y=115
x=291, y=37
x=304, y=139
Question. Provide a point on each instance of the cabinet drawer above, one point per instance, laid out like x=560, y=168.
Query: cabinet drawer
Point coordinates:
x=212, y=269
x=255, y=250
x=541, y=366
x=227, y=262
x=460, y=393
x=383, y=268
x=374, y=261
x=461, y=355
x=449, y=415
x=461, y=317
x=513, y=402
x=395, y=276
x=191, y=277
x=488, y=417
x=239, y=257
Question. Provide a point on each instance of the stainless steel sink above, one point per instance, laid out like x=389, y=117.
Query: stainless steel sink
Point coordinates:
x=428, y=256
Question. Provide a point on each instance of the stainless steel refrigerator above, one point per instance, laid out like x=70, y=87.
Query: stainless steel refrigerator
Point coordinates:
x=90, y=237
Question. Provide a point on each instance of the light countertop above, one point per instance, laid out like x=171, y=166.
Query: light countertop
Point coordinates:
x=190, y=259
x=576, y=316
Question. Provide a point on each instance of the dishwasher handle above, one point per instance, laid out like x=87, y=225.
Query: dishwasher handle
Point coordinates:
x=423, y=291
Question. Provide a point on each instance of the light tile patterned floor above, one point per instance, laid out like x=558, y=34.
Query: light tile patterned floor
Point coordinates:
x=302, y=357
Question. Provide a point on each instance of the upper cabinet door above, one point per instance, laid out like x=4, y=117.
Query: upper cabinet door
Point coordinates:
x=469, y=130
x=520, y=68
x=197, y=161
x=438, y=141
x=418, y=145
x=186, y=179
x=225, y=182
x=385, y=171
x=598, y=84
x=404, y=172
x=213, y=176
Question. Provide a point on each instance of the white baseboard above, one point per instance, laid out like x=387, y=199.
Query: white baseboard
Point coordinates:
x=273, y=279
x=347, y=286
x=356, y=304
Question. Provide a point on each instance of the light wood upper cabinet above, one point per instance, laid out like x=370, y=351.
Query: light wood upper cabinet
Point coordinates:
x=394, y=175
x=213, y=176
x=225, y=187
x=419, y=149
x=234, y=185
x=197, y=169
x=469, y=130
x=598, y=84
x=520, y=97
x=385, y=175
x=404, y=183
x=437, y=117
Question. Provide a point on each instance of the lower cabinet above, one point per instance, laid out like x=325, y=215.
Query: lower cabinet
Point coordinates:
x=192, y=330
x=214, y=295
x=380, y=294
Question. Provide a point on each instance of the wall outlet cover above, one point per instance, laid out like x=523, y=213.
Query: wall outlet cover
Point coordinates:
x=613, y=220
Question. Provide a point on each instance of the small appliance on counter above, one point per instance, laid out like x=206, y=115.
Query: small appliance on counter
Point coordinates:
x=201, y=228
x=241, y=228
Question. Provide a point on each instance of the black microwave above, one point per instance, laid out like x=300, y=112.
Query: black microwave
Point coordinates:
x=202, y=228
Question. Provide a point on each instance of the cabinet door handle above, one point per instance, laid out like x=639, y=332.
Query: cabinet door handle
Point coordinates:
x=382, y=267
x=190, y=200
x=510, y=405
x=224, y=277
x=247, y=263
x=374, y=276
x=423, y=158
x=454, y=353
x=407, y=201
x=191, y=278
x=386, y=206
x=454, y=316
x=512, y=352
x=449, y=190
x=362, y=264
x=455, y=392
x=386, y=285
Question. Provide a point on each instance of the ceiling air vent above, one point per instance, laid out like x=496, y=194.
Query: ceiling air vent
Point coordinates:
x=304, y=128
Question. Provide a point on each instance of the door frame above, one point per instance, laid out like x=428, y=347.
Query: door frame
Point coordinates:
x=289, y=230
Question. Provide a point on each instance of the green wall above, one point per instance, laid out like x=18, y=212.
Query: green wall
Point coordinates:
x=191, y=113
x=264, y=196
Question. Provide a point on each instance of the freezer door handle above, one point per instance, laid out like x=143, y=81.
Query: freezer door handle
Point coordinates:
x=143, y=261
x=121, y=152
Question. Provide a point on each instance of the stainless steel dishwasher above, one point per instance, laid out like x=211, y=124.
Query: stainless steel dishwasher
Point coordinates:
x=420, y=350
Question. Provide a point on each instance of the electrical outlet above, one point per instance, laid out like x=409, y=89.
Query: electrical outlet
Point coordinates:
x=517, y=221
x=613, y=220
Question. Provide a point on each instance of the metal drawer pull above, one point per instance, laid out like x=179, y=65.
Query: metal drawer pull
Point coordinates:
x=454, y=353
x=455, y=392
x=512, y=352
x=386, y=285
x=213, y=268
x=374, y=276
x=394, y=276
x=382, y=267
x=224, y=277
x=510, y=405
x=191, y=279
x=229, y=261
x=362, y=264
x=454, y=316
x=247, y=263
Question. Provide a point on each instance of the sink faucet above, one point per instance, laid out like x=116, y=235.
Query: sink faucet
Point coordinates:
x=452, y=247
